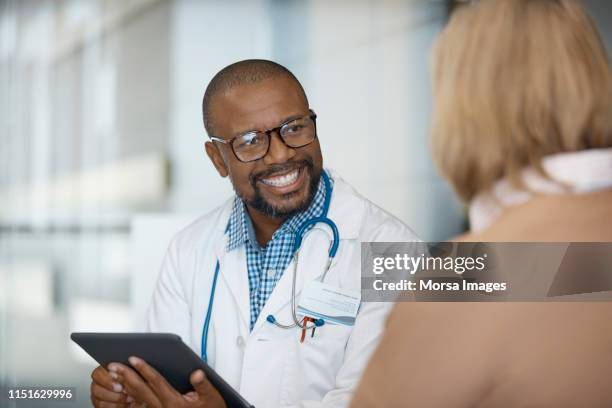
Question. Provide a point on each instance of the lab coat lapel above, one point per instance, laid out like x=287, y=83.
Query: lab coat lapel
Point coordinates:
x=234, y=274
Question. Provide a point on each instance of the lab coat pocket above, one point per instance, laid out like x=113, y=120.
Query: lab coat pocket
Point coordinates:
x=331, y=330
x=311, y=370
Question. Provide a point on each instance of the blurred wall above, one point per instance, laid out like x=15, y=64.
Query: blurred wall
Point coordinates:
x=601, y=11
x=364, y=66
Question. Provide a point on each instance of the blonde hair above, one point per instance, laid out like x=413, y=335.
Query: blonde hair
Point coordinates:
x=514, y=81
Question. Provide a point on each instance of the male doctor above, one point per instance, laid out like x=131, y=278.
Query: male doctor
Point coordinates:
x=263, y=137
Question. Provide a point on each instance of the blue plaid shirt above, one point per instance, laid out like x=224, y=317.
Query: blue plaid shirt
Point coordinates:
x=265, y=265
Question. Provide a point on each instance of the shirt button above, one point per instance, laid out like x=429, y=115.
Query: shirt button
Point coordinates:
x=271, y=273
x=240, y=341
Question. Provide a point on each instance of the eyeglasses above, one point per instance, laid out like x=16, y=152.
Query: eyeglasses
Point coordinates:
x=254, y=145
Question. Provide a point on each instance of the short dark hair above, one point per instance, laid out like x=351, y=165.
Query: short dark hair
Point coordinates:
x=249, y=71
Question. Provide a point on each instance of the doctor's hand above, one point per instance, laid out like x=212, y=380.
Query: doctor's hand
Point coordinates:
x=106, y=391
x=143, y=384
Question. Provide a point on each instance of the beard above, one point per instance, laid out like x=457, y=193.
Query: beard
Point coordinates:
x=259, y=203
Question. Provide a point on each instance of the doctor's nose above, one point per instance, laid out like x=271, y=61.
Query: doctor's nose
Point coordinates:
x=278, y=152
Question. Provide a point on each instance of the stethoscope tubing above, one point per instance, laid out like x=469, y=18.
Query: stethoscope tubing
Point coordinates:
x=209, y=312
x=299, y=236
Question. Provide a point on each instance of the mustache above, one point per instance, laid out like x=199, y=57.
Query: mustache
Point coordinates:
x=278, y=168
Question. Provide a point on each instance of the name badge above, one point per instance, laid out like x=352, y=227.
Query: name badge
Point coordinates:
x=330, y=303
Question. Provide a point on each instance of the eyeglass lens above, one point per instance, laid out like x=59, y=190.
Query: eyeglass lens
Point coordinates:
x=254, y=145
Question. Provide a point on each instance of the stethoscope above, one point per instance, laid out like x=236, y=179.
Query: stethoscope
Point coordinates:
x=299, y=236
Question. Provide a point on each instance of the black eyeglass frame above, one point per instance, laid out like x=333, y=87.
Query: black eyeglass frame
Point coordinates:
x=268, y=133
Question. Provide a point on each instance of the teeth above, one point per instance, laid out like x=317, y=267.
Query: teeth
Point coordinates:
x=282, y=181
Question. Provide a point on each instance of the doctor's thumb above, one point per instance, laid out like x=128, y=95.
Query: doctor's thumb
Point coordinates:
x=200, y=382
x=205, y=390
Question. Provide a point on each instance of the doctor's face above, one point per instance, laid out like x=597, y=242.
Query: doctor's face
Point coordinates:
x=282, y=182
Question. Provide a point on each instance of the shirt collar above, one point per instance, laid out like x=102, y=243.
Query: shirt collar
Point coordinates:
x=237, y=229
x=240, y=228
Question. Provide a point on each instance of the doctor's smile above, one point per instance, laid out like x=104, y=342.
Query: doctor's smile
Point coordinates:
x=291, y=186
x=284, y=182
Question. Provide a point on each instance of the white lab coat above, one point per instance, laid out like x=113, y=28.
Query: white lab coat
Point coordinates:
x=268, y=365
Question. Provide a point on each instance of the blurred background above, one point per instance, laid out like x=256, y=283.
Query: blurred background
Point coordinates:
x=101, y=143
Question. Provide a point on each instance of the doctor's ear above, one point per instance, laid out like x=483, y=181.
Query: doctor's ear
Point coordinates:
x=216, y=158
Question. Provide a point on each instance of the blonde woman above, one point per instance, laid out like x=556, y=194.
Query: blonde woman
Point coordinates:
x=522, y=129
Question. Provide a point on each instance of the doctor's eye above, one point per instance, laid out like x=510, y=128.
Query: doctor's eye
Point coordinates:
x=248, y=140
x=292, y=128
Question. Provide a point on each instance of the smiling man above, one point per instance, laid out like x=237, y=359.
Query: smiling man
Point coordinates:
x=228, y=280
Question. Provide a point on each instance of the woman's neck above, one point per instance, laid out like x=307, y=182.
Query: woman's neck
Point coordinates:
x=569, y=217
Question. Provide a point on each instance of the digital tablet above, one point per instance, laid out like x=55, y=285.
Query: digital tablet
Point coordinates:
x=165, y=352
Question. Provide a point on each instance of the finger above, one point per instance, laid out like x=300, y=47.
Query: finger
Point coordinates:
x=205, y=390
x=191, y=396
x=120, y=380
x=201, y=384
x=102, y=394
x=135, y=386
x=105, y=378
x=165, y=392
x=106, y=404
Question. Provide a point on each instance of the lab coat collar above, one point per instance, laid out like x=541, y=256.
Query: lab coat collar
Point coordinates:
x=346, y=208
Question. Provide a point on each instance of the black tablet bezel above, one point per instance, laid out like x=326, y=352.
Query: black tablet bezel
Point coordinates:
x=165, y=352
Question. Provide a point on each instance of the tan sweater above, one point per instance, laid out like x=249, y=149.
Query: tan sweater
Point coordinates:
x=503, y=354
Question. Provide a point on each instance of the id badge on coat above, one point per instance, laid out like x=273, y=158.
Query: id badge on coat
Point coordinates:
x=330, y=303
